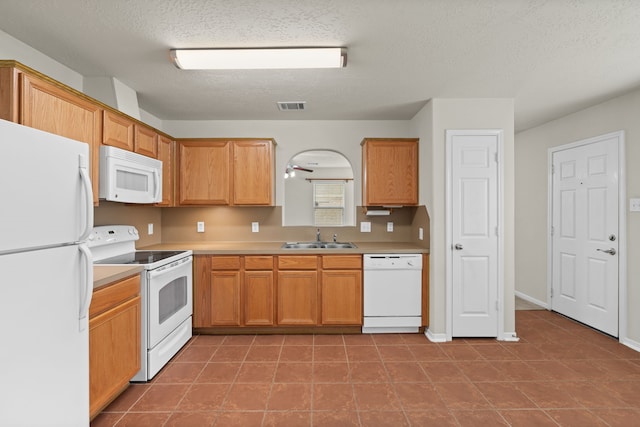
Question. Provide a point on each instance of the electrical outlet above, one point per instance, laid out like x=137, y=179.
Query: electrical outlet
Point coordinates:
x=390, y=227
x=255, y=227
x=365, y=227
x=200, y=227
x=150, y=229
x=420, y=233
x=634, y=205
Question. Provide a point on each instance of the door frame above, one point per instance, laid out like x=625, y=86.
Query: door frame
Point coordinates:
x=499, y=134
x=622, y=222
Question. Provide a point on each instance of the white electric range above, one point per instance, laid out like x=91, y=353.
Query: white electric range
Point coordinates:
x=165, y=289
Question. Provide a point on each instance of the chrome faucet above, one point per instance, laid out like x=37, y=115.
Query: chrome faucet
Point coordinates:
x=318, y=235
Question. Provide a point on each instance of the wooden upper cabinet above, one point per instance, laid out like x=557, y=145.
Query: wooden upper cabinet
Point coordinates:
x=165, y=155
x=145, y=141
x=203, y=171
x=253, y=172
x=117, y=131
x=389, y=171
x=48, y=107
x=123, y=132
x=225, y=172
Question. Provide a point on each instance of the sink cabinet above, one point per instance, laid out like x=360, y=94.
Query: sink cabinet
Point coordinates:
x=297, y=290
x=114, y=341
x=390, y=171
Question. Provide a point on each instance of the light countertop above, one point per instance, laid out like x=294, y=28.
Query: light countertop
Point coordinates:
x=274, y=248
x=106, y=274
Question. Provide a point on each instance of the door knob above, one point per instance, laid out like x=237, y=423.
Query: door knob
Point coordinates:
x=457, y=247
x=611, y=251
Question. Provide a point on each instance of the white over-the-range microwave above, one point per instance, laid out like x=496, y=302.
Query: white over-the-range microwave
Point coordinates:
x=129, y=177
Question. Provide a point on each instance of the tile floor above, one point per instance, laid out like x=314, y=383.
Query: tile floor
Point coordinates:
x=559, y=374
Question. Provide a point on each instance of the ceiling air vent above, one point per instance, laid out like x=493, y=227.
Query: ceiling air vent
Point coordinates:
x=291, y=106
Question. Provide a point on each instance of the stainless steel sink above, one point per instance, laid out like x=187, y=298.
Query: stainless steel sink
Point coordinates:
x=318, y=245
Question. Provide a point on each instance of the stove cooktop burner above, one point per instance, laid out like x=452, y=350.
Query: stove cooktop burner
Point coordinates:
x=139, y=257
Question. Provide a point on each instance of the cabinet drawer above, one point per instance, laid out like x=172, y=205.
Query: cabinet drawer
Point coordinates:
x=225, y=263
x=341, y=261
x=302, y=262
x=258, y=262
x=112, y=295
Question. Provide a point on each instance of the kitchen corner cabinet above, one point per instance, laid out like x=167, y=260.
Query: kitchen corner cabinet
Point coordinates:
x=225, y=172
x=34, y=100
x=341, y=290
x=114, y=341
x=389, y=171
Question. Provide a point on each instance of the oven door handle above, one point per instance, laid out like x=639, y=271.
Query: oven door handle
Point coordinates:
x=169, y=268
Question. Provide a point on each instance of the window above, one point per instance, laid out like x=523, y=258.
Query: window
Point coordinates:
x=328, y=203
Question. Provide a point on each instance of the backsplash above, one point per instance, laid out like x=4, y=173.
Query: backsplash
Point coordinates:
x=224, y=223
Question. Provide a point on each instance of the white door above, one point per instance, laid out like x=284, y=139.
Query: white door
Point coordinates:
x=585, y=233
x=474, y=233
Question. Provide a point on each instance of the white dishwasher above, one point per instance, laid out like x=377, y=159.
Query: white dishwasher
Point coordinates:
x=392, y=293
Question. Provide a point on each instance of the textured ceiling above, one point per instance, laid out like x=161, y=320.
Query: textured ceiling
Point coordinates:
x=553, y=57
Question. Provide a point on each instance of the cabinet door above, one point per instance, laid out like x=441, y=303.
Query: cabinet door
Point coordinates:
x=145, y=141
x=342, y=297
x=49, y=108
x=114, y=352
x=390, y=172
x=297, y=297
x=225, y=298
x=203, y=172
x=165, y=155
x=117, y=131
x=258, y=298
x=253, y=173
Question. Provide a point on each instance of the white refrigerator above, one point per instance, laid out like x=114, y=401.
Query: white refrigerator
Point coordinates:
x=46, y=278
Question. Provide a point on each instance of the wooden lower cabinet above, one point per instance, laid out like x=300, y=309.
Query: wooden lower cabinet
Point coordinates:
x=341, y=290
x=288, y=291
x=258, y=291
x=297, y=298
x=114, y=341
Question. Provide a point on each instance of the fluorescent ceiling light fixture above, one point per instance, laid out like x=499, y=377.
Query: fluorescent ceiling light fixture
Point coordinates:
x=263, y=58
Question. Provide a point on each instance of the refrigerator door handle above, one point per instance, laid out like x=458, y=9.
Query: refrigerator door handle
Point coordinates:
x=86, y=184
x=86, y=293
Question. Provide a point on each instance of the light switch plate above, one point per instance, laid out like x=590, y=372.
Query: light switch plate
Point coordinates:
x=634, y=205
x=390, y=227
x=200, y=227
x=255, y=227
x=365, y=227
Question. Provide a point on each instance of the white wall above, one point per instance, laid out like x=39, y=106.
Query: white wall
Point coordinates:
x=294, y=136
x=12, y=48
x=532, y=145
x=430, y=124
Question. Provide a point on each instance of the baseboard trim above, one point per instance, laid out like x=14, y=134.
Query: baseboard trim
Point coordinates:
x=435, y=337
x=634, y=345
x=532, y=300
x=509, y=336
